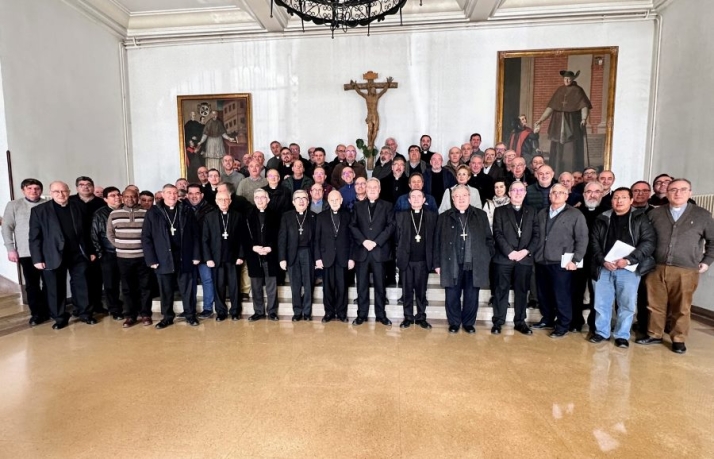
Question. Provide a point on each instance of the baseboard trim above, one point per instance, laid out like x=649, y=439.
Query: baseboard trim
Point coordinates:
x=705, y=316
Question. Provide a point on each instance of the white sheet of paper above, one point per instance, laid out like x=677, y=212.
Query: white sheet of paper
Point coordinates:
x=567, y=258
x=621, y=250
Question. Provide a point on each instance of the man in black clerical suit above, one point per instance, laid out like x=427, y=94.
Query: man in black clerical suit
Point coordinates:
x=415, y=247
x=516, y=232
x=261, y=253
x=463, y=251
x=295, y=253
x=333, y=249
x=222, y=251
x=60, y=242
x=172, y=248
x=396, y=183
x=372, y=226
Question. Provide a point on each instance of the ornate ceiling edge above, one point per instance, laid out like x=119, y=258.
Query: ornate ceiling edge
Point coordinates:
x=636, y=6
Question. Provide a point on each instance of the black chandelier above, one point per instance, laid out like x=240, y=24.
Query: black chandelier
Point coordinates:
x=341, y=14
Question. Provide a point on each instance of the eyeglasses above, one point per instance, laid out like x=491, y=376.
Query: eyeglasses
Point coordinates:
x=677, y=190
x=640, y=191
x=518, y=191
x=558, y=193
x=662, y=182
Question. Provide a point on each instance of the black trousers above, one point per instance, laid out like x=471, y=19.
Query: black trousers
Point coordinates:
x=35, y=288
x=111, y=281
x=363, y=270
x=457, y=313
x=136, y=286
x=271, y=290
x=185, y=283
x=302, y=274
x=94, y=284
x=581, y=281
x=414, y=279
x=226, y=275
x=514, y=276
x=56, y=284
x=555, y=295
x=334, y=291
x=643, y=314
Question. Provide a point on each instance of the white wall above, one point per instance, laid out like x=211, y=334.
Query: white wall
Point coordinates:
x=61, y=82
x=447, y=88
x=684, y=106
x=60, y=108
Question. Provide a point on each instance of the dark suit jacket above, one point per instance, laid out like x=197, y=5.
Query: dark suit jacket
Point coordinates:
x=213, y=235
x=331, y=249
x=156, y=239
x=379, y=230
x=393, y=188
x=272, y=228
x=505, y=233
x=288, y=237
x=403, y=235
x=46, y=238
x=496, y=172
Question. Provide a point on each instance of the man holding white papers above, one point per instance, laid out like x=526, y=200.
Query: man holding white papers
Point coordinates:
x=622, y=244
x=563, y=232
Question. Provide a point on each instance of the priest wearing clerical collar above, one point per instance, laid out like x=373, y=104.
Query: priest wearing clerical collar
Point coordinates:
x=415, y=250
x=462, y=255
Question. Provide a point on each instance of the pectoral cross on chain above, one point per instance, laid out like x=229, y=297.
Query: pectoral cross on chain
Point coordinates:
x=225, y=234
x=463, y=235
x=173, y=230
x=417, y=238
x=519, y=233
x=300, y=231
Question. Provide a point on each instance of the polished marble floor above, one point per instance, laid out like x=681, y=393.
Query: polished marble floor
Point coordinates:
x=308, y=390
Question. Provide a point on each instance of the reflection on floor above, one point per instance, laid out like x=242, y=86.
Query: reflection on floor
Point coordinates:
x=307, y=390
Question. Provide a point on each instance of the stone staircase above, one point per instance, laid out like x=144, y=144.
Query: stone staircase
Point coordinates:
x=434, y=294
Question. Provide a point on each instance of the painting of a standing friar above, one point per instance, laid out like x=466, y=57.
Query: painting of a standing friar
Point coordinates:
x=210, y=127
x=570, y=94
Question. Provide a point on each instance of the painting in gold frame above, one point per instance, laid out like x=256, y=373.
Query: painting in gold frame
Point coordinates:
x=211, y=126
x=530, y=81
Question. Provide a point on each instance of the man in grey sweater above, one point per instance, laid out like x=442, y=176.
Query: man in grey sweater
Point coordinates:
x=685, y=249
x=563, y=233
x=16, y=234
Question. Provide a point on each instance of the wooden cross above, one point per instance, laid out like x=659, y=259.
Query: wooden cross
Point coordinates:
x=369, y=92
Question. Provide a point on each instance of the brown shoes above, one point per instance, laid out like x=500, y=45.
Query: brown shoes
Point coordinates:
x=146, y=321
x=128, y=322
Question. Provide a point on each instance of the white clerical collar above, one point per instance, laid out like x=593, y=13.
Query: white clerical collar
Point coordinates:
x=300, y=213
x=517, y=207
x=371, y=202
x=416, y=211
x=462, y=211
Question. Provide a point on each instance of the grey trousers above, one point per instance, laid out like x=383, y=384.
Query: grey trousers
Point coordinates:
x=271, y=289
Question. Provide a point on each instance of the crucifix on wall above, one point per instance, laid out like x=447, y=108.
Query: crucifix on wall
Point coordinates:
x=371, y=93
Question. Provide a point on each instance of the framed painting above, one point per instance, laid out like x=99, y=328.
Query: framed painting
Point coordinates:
x=210, y=127
x=559, y=103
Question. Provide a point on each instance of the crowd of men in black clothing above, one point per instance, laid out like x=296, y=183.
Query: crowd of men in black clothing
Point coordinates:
x=477, y=218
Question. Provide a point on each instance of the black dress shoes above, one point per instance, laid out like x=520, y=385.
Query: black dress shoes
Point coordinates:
x=192, y=321
x=524, y=329
x=35, y=321
x=274, y=317
x=453, y=329
x=558, y=334
x=297, y=318
x=163, y=324
x=255, y=317
x=205, y=314
x=470, y=329
x=424, y=324
x=358, y=321
x=679, y=348
x=542, y=326
x=575, y=329
x=221, y=317
x=235, y=317
x=496, y=330
x=622, y=343
x=406, y=323
x=59, y=325
x=307, y=318
x=595, y=338
x=117, y=316
x=343, y=320
x=89, y=321
x=384, y=321
x=327, y=318
x=648, y=340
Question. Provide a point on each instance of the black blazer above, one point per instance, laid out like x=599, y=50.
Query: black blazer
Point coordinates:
x=331, y=249
x=379, y=230
x=252, y=237
x=156, y=239
x=403, y=235
x=213, y=235
x=46, y=238
x=505, y=233
x=288, y=235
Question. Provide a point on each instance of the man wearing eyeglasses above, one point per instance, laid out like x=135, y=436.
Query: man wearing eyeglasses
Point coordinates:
x=295, y=254
x=563, y=242
x=350, y=161
x=685, y=249
x=641, y=194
